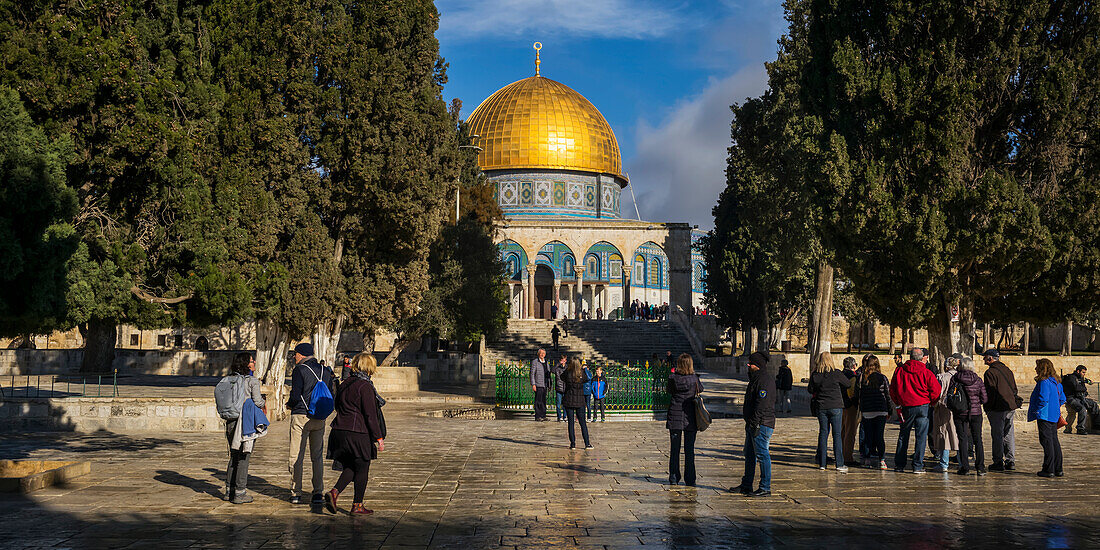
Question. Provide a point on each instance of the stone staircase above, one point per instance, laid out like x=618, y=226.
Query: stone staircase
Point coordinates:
x=595, y=340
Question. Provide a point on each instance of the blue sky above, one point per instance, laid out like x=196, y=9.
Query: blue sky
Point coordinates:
x=663, y=74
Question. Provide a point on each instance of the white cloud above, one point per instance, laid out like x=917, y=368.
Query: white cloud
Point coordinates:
x=678, y=168
x=602, y=18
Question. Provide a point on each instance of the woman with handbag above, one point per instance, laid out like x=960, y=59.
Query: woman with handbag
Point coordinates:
x=683, y=386
x=357, y=432
x=1045, y=408
x=968, y=423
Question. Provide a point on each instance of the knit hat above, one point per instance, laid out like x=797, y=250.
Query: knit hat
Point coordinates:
x=759, y=358
x=305, y=349
x=994, y=353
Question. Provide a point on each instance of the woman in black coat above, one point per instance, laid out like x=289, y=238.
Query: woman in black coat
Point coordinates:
x=356, y=435
x=573, y=400
x=683, y=386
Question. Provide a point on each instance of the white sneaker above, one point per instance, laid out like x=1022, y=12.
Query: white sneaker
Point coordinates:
x=842, y=469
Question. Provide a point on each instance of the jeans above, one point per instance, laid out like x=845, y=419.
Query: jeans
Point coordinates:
x=305, y=430
x=969, y=430
x=557, y=405
x=689, y=456
x=875, y=429
x=915, y=420
x=588, y=413
x=1083, y=407
x=570, y=413
x=783, y=402
x=236, y=472
x=1052, y=449
x=829, y=419
x=1003, y=435
x=599, y=405
x=756, y=450
x=540, y=402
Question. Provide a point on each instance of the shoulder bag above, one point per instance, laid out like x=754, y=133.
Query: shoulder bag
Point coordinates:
x=702, y=415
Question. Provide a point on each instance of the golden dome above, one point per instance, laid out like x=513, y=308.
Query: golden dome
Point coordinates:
x=540, y=123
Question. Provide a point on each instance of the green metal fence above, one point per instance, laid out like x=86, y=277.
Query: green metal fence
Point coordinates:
x=631, y=387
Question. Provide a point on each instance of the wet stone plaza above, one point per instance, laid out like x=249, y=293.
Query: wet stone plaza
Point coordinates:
x=458, y=483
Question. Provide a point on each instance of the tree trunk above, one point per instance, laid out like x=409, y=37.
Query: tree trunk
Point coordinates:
x=987, y=335
x=1027, y=338
x=965, y=336
x=893, y=342
x=820, y=329
x=402, y=344
x=326, y=337
x=1067, y=340
x=905, y=341
x=941, y=341
x=100, y=337
x=271, y=365
x=763, y=327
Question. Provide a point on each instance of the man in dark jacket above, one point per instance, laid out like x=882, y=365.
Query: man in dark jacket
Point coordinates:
x=1000, y=386
x=1077, y=398
x=304, y=428
x=759, y=412
x=784, y=382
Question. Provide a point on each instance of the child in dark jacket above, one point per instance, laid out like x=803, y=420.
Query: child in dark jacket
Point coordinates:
x=599, y=393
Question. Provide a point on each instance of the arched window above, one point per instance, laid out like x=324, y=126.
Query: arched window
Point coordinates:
x=592, y=269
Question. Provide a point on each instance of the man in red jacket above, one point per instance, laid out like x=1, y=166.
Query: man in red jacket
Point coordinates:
x=913, y=388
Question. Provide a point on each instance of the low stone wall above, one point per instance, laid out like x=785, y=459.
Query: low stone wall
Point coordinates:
x=89, y=414
x=63, y=361
x=396, y=380
x=1023, y=366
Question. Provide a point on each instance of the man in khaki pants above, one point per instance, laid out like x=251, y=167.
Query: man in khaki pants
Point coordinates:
x=303, y=429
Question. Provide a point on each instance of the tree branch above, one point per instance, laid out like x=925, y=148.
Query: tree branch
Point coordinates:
x=157, y=300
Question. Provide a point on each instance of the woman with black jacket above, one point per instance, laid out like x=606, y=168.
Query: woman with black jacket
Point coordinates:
x=575, y=381
x=827, y=387
x=683, y=386
x=356, y=435
x=873, y=393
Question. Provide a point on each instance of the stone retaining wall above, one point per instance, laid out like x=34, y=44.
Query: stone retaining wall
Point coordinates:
x=89, y=414
x=63, y=361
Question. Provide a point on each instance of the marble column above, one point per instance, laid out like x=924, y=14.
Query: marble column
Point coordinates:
x=571, y=307
x=626, y=294
x=511, y=300
x=557, y=296
x=522, y=301
x=531, y=294
x=579, y=271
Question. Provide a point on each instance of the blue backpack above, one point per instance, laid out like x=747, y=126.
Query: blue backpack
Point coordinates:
x=321, y=403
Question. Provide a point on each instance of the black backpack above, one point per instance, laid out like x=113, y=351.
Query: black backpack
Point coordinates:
x=956, y=400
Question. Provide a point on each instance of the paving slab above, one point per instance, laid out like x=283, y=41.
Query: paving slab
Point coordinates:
x=461, y=483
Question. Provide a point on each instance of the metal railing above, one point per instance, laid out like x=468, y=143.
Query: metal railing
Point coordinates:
x=631, y=387
x=32, y=386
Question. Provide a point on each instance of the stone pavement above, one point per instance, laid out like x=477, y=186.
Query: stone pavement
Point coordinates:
x=457, y=483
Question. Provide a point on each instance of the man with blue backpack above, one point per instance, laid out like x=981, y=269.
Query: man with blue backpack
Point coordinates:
x=310, y=403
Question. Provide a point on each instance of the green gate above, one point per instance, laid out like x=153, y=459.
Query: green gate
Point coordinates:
x=631, y=387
